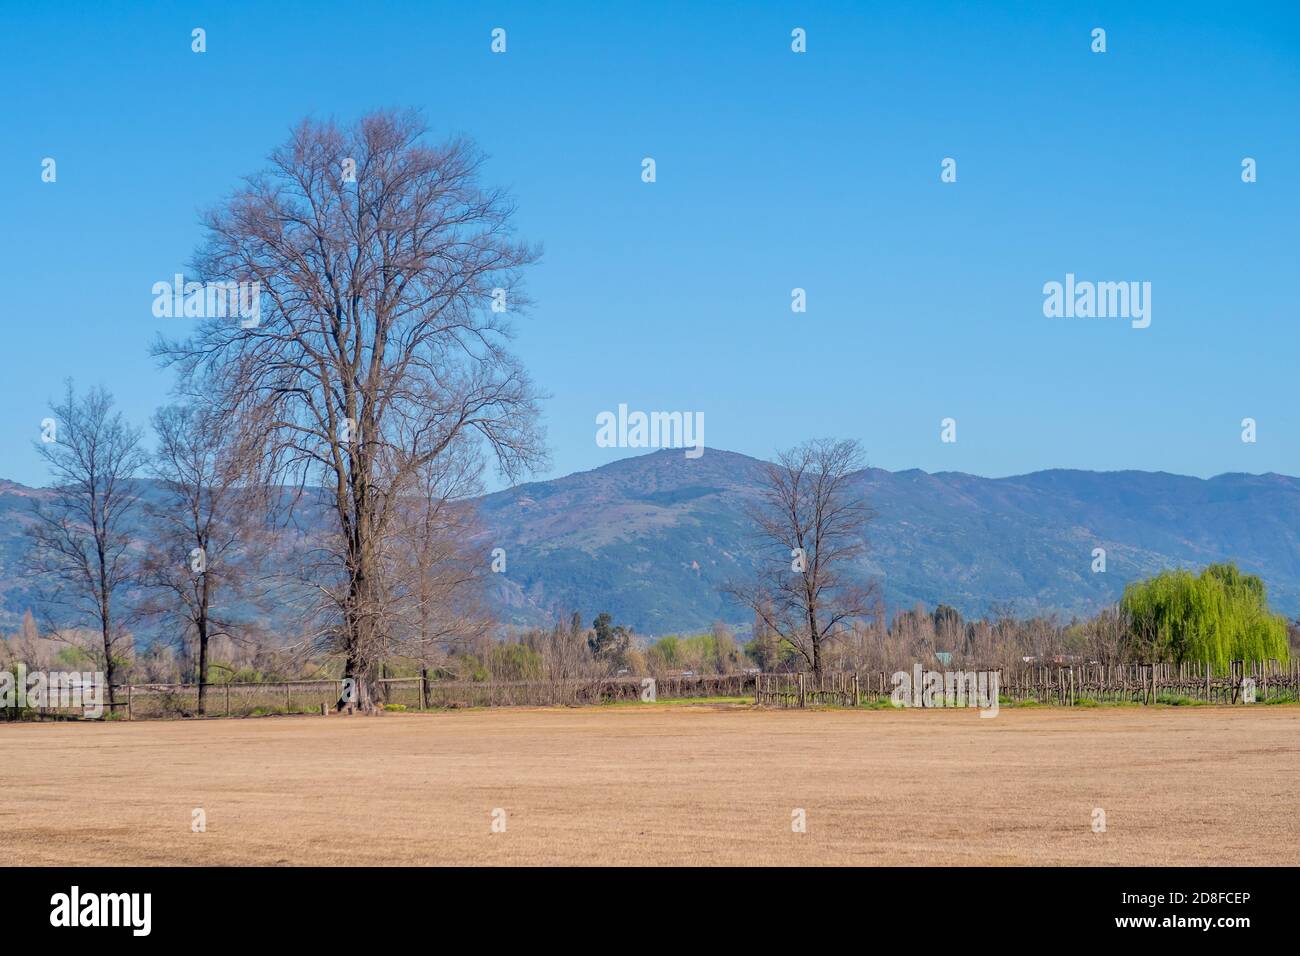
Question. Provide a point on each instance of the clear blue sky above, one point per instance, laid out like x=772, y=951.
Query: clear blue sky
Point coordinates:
x=775, y=170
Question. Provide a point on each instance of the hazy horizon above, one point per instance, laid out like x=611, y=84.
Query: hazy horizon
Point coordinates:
x=492, y=488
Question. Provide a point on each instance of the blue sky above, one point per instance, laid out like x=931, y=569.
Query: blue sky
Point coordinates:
x=775, y=170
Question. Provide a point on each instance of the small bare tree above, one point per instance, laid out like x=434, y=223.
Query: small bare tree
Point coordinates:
x=1108, y=634
x=387, y=277
x=81, y=538
x=811, y=525
x=202, y=539
x=565, y=654
x=436, y=574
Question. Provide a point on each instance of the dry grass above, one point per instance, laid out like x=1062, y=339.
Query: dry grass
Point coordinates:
x=658, y=784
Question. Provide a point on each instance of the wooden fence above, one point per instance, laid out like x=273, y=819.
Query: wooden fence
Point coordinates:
x=583, y=691
x=803, y=690
x=144, y=701
x=1065, y=685
x=1151, y=683
x=1062, y=684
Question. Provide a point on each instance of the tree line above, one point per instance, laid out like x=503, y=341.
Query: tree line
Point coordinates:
x=374, y=388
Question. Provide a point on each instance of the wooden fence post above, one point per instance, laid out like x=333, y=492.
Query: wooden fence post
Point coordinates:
x=128, y=701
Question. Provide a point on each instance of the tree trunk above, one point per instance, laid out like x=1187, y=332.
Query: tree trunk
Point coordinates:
x=106, y=619
x=366, y=695
x=816, y=645
x=203, y=662
x=361, y=642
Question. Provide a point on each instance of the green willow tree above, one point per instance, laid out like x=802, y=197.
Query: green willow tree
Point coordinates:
x=1218, y=616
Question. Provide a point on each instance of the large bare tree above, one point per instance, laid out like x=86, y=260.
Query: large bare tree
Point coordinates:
x=388, y=275
x=811, y=522
x=80, y=541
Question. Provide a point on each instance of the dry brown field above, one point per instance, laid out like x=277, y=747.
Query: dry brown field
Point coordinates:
x=661, y=784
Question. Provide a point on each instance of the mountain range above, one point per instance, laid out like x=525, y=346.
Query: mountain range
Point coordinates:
x=651, y=539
